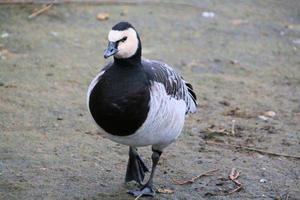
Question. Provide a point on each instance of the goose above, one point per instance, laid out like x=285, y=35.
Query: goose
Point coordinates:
x=138, y=102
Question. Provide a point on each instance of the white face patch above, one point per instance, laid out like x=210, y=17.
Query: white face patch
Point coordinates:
x=127, y=48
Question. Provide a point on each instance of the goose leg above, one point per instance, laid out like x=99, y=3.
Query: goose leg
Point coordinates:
x=147, y=189
x=136, y=168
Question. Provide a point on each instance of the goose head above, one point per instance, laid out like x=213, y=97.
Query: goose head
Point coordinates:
x=123, y=42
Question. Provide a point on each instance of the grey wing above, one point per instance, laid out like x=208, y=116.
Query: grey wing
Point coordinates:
x=174, y=84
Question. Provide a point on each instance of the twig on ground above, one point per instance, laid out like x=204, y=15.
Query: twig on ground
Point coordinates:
x=164, y=191
x=252, y=149
x=40, y=11
x=234, y=175
x=138, y=197
x=233, y=127
x=218, y=131
x=193, y=179
x=235, y=190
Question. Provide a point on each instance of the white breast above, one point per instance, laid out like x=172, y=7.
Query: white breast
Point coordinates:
x=164, y=122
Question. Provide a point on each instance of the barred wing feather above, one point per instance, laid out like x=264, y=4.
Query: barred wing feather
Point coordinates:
x=174, y=84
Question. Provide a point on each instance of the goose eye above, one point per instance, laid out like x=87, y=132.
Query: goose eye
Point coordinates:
x=124, y=39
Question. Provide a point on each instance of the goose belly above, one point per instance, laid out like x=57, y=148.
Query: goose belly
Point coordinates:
x=163, y=124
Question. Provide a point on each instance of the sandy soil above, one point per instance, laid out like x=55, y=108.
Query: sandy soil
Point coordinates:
x=243, y=62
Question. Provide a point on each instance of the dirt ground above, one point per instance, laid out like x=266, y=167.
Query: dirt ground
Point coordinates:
x=243, y=60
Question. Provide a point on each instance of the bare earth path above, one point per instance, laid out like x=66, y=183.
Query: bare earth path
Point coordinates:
x=243, y=62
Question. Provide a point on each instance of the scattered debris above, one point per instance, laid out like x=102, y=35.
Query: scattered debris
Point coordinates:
x=263, y=180
x=289, y=26
x=102, y=16
x=270, y=114
x=89, y=133
x=224, y=103
x=193, y=179
x=236, y=112
x=40, y=11
x=267, y=115
x=164, y=191
x=237, y=22
x=206, y=14
x=269, y=129
x=213, y=129
x=234, y=62
x=253, y=149
x=264, y=118
x=4, y=35
x=233, y=127
x=138, y=197
x=234, y=175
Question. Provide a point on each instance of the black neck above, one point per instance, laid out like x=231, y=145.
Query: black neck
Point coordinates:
x=135, y=59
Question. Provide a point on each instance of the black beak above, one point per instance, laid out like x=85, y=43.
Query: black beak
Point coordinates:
x=111, y=49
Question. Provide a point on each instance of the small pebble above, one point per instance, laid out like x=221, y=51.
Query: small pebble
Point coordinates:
x=208, y=14
x=103, y=16
x=233, y=62
x=264, y=118
x=262, y=180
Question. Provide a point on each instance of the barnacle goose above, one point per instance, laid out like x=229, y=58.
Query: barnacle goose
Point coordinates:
x=138, y=102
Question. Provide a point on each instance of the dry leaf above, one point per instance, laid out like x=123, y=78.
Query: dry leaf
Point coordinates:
x=234, y=174
x=269, y=114
x=165, y=191
x=102, y=16
x=192, y=180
